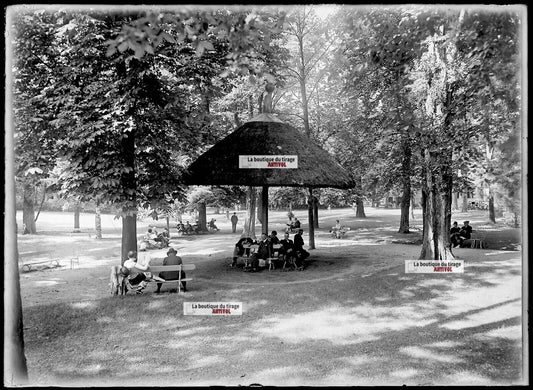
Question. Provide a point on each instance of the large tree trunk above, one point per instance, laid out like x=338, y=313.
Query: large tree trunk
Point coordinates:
x=202, y=216
x=248, y=229
x=492, y=211
x=98, y=223
x=129, y=207
x=464, y=205
x=311, y=224
x=315, y=212
x=259, y=206
x=359, y=208
x=15, y=367
x=436, y=206
x=28, y=209
x=77, y=218
x=129, y=235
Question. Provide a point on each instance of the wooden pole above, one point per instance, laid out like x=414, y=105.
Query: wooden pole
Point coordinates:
x=311, y=222
x=264, y=209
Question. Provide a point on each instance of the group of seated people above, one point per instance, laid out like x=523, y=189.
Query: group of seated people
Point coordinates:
x=136, y=270
x=458, y=235
x=187, y=228
x=291, y=252
x=338, y=230
x=293, y=226
x=154, y=240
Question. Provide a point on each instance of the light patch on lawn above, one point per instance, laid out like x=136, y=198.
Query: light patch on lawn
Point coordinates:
x=342, y=326
x=467, y=378
x=47, y=282
x=83, y=305
x=359, y=360
x=404, y=373
x=506, y=332
x=200, y=361
x=499, y=313
x=426, y=354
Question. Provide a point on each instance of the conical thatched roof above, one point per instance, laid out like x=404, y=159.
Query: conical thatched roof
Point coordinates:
x=270, y=138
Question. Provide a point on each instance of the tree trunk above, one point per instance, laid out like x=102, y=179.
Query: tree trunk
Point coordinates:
x=492, y=212
x=98, y=223
x=77, y=218
x=311, y=223
x=28, y=210
x=464, y=205
x=359, y=208
x=202, y=216
x=15, y=367
x=259, y=206
x=436, y=207
x=129, y=235
x=249, y=222
x=412, y=206
x=455, y=201
x=264, y=210
x=129, y=207
x=168, y=223
x=315, y=212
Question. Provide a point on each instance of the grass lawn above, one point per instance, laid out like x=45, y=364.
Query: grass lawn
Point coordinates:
x=353, y=317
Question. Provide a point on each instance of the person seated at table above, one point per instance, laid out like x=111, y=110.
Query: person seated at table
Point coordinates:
x=263, y=252
x=172, y=259
x=300, y=253
x=455, y=235
x=287, y=250
x=465, y=232
x=212, y=225
x=239, y=248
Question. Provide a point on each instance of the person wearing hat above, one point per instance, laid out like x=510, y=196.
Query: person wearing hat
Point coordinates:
x=466, y=232
x=171, y=259
x=131, y=268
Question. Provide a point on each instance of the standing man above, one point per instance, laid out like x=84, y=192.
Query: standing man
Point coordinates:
x=300, y=253
x=234, y=220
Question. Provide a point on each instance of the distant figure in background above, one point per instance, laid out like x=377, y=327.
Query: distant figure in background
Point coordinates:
x=234, y=220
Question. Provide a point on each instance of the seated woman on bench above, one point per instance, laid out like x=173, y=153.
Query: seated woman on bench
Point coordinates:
x=132, y=269
x=172, y=259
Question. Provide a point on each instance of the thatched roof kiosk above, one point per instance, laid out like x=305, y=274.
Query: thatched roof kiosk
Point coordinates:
x=266, y=152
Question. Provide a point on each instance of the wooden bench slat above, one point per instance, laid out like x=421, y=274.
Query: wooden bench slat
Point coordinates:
x=180, y=267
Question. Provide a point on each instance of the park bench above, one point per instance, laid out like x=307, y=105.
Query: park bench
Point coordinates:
x=156, y=269
x=27, y=267
x=118, y=283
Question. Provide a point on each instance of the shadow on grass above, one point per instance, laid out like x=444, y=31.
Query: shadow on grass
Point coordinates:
x=339, y=327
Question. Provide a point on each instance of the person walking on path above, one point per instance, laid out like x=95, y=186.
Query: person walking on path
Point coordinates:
x=234, y=220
